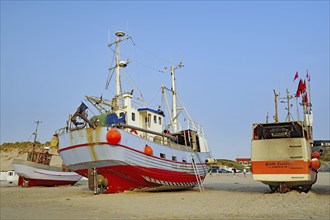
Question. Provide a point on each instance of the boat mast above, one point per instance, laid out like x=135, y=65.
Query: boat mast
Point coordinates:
x=119, y=64
x=174, y=102
x=35, y=133
x=310, y=113
x=118, y=34
x=288, y=97
x=276, y=110
x=309, y=95
x=297, y=106
x=175, y=121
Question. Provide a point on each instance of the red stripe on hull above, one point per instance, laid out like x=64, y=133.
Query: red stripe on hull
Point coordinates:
x=41, y=182
x=117, y=145
x=126, y=177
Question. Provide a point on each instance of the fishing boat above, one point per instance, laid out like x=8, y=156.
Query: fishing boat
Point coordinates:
x=37, y=171
x=128, y=146
x=282, y=152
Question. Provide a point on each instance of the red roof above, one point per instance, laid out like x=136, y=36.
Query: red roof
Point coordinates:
x=243, y=159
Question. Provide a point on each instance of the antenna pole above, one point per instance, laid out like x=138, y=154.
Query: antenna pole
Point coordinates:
x=120, y=37
x=174, y=107
x=288, y=97
x=276, y=111
x=35, y=133
x=174, y=103
x=309, y=94
x=298, y=115
x=310, y=113
x=117, y=68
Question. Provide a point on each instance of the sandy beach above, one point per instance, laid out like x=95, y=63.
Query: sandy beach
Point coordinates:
x=225, y=197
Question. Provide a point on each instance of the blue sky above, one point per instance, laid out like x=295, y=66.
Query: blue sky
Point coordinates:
x=235, y=54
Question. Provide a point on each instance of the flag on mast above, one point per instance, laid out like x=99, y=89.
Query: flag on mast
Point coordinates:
x=298, y=89
x=82, y=108
x=295, y=76
x=308, y=76
x=301, y=88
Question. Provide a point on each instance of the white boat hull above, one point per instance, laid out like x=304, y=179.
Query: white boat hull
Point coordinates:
x=35, y=174
x=125, y=165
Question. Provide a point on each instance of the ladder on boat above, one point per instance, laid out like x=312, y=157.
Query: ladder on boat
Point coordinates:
x=198, y=178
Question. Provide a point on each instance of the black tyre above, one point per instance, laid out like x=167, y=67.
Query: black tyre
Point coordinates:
x=304, y=188
x=273, y=188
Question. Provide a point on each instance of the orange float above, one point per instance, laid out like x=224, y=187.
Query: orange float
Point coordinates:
x=113, y=136
x=316, y=154
x=315, y=163
x=148, y=150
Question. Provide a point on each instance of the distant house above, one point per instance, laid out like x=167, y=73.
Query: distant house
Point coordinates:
x=323, y=143
x=244, y=161
x=8, y=176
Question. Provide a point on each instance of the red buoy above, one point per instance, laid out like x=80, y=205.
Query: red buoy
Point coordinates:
x=316, y=154
x=315, y=163
x=113, y=136
x=148, y=150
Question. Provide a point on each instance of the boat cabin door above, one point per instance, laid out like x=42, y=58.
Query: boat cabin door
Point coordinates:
x=192, y=138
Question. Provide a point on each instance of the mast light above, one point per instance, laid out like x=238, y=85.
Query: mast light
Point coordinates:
x=120, y=34
x=123, y=64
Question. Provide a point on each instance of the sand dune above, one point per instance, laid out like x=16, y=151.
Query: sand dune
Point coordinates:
x=225, y=197
x=8, y=157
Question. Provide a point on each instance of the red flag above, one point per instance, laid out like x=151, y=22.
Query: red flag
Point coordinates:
x=303, y=88
x=295, y=76
x=299, y=88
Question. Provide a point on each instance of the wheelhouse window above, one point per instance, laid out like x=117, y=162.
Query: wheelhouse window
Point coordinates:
x=159, y=120
x=133, y=116
x=174, y=158
x=149, y=120
x=155, y=119
x=162, y=155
